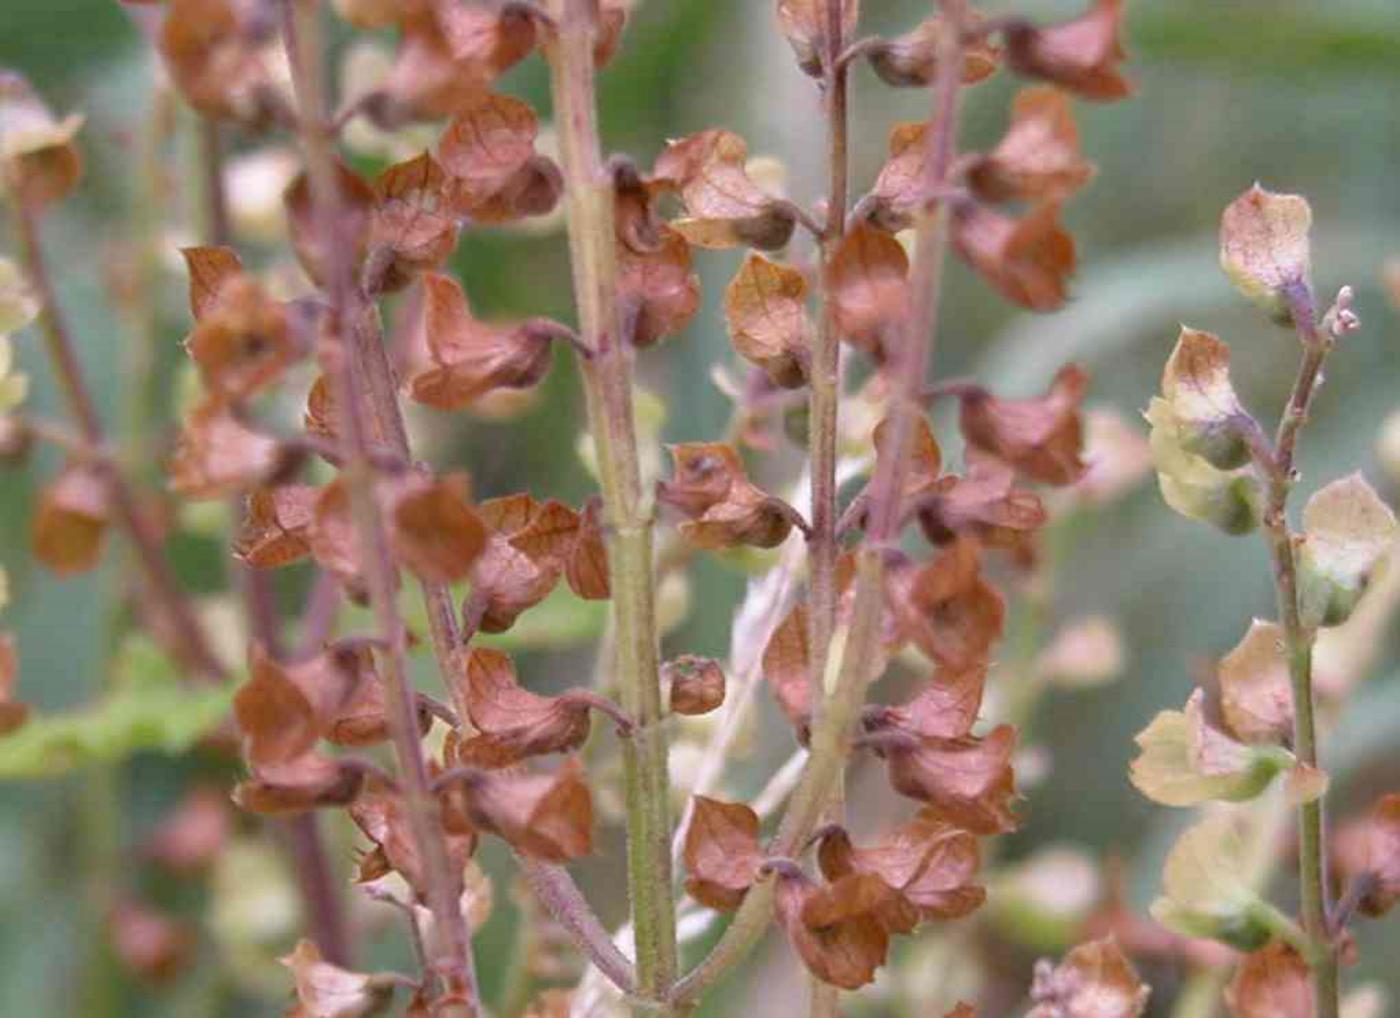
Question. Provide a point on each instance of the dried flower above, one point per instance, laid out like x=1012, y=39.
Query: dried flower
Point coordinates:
x=722, y=853
x=765, y=306
x=1081, y=55
x=1041, y=437
x=1095, y=980
x=1038, y=158
x=1028, y=259
x=725, y=207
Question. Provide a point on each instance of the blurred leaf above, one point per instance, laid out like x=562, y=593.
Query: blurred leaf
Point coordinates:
x=149, y=708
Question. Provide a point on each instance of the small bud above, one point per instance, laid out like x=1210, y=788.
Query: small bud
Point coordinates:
x=696, y=684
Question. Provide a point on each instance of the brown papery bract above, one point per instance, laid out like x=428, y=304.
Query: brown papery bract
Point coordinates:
x=414, y=226
x=456, y=359
x=309, y=781
x=1381, y=855
x=39, y=160
x=215, y=52
x=1271, y=983
x=489, y=150
x=867, y=286
x=1039, y=155
x=217, y=455
x=931, y=864
x=356, y=202
x=243, y=341
x=1042, y=437
x=450, y=54
x=725, y=208
x=950, y=611
x=1095, y=980
x=545, y=816
x=724, y=508
x=786, y=669
x=1081, y=55
x=285, y=707
x=804, y=23
x=966, y=781
x=507, y=580
x=765, y=306
x=1029, y=259
x=696, y=684
x=556, y=536
x=946, y=707
x=911, y=60
x=514, y=723
x=70, y=520
x=436, y=533
x=657, y=287
x=722, y=853
x=13, y=714
x=276, y=526
x=837, y=929
x=382, y=816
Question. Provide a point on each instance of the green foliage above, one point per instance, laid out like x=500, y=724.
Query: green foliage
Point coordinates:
x=150, y=707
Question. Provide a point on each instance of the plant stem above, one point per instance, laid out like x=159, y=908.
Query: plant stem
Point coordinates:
x=824, y=381
x=607, y=375
x=831, y=735
x=1298, y=648
x=823, y=403
x=177, y=621
x=451, y=948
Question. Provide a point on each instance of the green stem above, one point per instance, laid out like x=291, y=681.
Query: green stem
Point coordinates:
x=832, y=732
x=607, y=375
x=1298, y=648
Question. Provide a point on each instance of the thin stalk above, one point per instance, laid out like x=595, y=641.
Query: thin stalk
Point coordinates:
x=607, y=375
x=178, y=622
x=823, y=404
x=832, y=733
x=1298, y=648
x=824, y=381
x=451, y=948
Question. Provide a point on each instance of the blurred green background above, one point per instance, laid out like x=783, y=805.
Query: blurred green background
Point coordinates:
x=1299, y=95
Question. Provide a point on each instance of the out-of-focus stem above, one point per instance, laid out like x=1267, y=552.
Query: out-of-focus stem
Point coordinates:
x=831, y=735
x=178, y=621
x=452, y=953
x=607, y=373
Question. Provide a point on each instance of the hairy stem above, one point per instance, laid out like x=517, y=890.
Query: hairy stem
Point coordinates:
x=831, y=735
x=452, y=954
x=607, y=373
x=823, y=404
